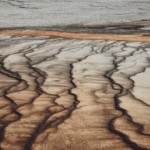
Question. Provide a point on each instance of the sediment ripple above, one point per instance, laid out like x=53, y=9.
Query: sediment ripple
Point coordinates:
x=77, y=94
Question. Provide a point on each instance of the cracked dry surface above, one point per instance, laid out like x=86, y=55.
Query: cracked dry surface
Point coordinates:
x=69, y=94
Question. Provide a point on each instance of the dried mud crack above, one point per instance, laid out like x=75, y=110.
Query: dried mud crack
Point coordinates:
x=79, y=94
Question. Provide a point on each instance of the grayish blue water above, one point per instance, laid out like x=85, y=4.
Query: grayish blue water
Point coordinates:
x=64, y=12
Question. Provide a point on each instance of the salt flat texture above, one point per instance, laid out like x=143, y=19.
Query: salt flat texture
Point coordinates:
x=64, y=12
x=69, y=94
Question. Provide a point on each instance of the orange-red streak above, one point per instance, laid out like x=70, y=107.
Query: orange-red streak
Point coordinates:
x=79, y=35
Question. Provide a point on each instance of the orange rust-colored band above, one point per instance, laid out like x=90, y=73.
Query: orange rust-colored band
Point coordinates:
x=80, y=36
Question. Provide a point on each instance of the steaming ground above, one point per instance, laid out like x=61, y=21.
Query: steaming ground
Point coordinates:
x=64, y=12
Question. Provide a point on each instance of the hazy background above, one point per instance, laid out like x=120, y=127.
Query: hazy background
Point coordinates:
x=15, y=13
